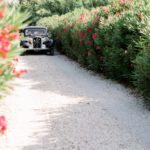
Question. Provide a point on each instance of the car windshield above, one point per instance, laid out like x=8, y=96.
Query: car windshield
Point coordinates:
x=35, y=32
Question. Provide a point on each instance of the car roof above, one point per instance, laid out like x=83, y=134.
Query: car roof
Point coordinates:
x=34, y=27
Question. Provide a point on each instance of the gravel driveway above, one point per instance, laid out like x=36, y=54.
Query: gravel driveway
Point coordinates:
x=60, y=106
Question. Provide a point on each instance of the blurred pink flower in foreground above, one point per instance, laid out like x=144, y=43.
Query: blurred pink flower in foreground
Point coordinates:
x=3, y=124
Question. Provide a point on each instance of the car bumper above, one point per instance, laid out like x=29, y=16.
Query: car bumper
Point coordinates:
x=37, y=49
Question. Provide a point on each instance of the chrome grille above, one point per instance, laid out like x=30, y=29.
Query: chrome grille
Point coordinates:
x=37, y=42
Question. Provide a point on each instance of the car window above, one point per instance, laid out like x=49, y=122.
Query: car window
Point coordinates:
x=35, y=32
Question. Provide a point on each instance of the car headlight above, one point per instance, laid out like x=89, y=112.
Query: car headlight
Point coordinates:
x=44, y=39
x=30, y=41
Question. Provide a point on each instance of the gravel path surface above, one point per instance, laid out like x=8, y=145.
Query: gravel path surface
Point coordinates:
x=60, y=106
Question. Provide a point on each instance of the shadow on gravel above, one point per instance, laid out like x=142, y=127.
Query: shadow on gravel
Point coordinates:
x=33, y=53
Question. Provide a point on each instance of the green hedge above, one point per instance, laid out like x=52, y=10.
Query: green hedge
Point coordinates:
x=112, y=39
x=46, y=8
x=142, y=62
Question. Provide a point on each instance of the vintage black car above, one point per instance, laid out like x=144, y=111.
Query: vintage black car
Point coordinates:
x=37, y=39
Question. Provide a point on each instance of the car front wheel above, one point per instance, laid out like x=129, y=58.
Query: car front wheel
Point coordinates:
x=50, y=52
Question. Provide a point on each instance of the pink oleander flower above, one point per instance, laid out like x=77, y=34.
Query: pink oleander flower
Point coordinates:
x=106, y=11
x=3, y=124
x=14, y=36
x=89, y=42
x=118, y=14
x=82, y=33
x=123, y=2
x=19, y=73
x=1, y=71
x=81, y=41
x=1, y=14
x=94, y=35
x=65, y=30
x=89, y=30
x=140, y=15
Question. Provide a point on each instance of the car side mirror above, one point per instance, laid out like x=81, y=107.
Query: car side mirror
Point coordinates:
x=49, y=35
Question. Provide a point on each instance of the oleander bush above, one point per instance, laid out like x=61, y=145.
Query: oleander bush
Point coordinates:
x=119, y=48
x=112, y=39
x=10, y=21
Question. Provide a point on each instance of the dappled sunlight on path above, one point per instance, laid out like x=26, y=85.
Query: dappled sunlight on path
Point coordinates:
x=59, y=106
x=31, y=110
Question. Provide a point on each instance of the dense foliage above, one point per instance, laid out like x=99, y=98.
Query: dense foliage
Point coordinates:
x=112, y=39
x=45, y=8
x=142, y=61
